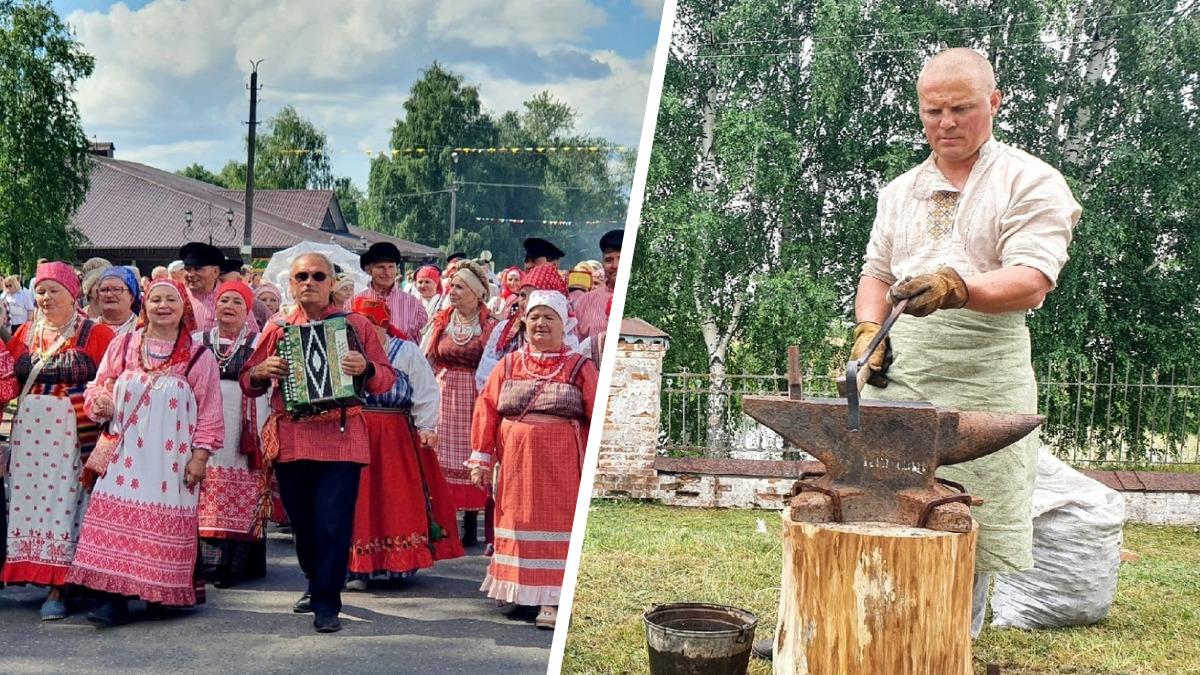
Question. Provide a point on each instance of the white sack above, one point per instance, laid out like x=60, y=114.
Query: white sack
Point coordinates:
x=1076, y=552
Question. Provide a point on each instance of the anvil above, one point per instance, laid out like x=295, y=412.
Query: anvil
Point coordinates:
x=884, y=471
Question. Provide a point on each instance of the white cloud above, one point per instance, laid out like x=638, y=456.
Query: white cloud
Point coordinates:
x=485, y=23
x=169, y=86
x=652, y=8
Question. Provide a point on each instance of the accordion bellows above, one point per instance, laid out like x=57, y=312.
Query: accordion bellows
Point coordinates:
x=313, y=353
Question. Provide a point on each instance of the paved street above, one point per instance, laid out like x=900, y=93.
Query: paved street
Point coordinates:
x=437, y=622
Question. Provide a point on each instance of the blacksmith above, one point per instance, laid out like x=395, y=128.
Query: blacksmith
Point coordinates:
x=974, y=237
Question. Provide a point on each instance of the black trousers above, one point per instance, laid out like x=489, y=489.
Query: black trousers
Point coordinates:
x=319, y=498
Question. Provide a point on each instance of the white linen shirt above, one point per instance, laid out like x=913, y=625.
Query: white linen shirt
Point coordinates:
x=1013, y=210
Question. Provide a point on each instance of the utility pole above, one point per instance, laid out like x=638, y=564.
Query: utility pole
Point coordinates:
x=247, y=246
x=453, y=197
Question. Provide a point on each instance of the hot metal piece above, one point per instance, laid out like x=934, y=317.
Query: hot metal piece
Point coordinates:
x=885, y=471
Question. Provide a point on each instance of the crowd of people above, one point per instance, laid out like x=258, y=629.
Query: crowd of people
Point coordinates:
x=152, y=444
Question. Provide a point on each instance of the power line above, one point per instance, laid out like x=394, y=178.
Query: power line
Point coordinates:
x=926, y=31
x=419, y=194
x=533, y=187
x=910, y=50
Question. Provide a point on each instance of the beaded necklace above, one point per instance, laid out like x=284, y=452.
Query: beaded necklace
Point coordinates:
x=46, y=353
x=144, y=356
x=462, y=329
x=528, y=357
x=223, y=357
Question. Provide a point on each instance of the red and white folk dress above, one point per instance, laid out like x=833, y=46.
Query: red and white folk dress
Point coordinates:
x=454, y=352
x=51, y=438
x=231, y=534
x=532, y=419
x=139, y=535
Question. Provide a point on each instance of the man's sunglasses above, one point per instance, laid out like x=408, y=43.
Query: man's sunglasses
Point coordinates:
x=316, y=276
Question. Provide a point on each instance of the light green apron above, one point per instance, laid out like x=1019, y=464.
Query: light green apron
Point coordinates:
x=974, y=361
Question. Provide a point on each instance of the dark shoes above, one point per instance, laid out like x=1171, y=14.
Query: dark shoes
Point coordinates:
x=327, y=623
x=111, y=613
x=303, y=605
x=470, y=534
x=763, y=649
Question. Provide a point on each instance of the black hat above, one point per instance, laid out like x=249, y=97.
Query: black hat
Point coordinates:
x=199, y=254
x=231, y=265
x=540, y=248
x=611, y=241
x=459, y=255
x=380, y=252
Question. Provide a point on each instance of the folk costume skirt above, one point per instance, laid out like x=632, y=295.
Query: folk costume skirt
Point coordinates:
x=46, y=502
x=541, y=463
x=454, y=437
x=391, y=519
x=139, y=535
x=230, y=532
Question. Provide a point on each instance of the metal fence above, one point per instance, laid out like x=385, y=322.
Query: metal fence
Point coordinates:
x=1097, y=414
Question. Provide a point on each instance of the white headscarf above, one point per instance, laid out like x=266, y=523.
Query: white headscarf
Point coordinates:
x=552, y=299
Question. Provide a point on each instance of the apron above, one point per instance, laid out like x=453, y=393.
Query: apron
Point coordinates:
x=229, y=493
x=46, y=500
x=139, y=534
x=976, y=362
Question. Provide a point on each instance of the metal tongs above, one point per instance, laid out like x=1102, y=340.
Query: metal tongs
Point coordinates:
x=857, y=371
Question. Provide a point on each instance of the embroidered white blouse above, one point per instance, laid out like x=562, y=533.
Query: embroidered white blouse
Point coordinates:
x=1013, y=210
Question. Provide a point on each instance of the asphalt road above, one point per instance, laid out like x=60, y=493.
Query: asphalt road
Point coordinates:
x=437, y=622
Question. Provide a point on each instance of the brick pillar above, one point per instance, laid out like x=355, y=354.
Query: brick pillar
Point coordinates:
x=625, y=466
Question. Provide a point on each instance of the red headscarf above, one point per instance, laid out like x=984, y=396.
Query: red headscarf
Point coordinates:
x=429, y=272
x=239, y=287
x=377, y=312
x=544, y=277
x=182, y=352
x=505, y=293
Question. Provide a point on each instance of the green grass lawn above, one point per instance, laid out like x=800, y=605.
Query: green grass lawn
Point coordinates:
x=636, y=555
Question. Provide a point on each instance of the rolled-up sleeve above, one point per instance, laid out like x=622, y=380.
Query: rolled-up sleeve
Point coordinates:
x=1036, y=229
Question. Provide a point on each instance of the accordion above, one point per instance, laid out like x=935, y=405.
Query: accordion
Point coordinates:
x=313, y=353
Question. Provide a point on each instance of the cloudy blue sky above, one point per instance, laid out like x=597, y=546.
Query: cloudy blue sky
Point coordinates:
x=169, y=87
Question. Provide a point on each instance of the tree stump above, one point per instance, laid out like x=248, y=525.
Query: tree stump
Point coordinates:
x=874, y=598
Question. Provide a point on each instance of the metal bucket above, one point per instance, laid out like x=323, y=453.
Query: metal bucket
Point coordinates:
x=696, y=638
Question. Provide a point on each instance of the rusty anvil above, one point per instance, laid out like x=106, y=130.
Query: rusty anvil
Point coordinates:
x=884, y=471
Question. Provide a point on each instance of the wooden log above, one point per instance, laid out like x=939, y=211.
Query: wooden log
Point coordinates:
x=874, y=598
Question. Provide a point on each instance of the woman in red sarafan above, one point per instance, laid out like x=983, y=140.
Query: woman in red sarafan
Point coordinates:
x=455, y=347
x=55, y=357
x=162, y=392
x=532, y=419
x=404, y=517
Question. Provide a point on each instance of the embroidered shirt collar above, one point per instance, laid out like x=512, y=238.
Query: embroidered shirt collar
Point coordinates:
x=930, y=179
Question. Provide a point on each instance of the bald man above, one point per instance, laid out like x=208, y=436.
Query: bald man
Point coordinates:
x=974, y=237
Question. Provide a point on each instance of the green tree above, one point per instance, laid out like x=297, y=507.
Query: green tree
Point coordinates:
x=783, y=121
x=439, y=114
x=409, y=193
x=292, y=154
x=233, y=175
x=198, y=172
x=349, y=197
x=44, y=160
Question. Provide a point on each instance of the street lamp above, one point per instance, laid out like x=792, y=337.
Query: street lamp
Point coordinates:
x=189, y=220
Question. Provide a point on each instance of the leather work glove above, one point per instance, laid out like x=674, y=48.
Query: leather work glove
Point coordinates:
x=881, y=360
x=942, y=289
